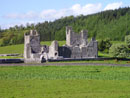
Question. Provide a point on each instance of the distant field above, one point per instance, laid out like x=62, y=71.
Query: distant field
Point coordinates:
x=61, y=43
x=12, y=49
x=64, y=82
x=20, y=48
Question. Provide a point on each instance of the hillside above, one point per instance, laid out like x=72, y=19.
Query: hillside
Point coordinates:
x=112, y=24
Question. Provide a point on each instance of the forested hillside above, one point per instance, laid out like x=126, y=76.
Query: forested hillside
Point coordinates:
x=112, y=24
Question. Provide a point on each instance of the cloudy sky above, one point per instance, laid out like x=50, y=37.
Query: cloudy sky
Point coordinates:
x=18, y=12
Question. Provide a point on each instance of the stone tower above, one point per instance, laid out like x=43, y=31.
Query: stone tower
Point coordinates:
x=75, y=39
x=84, y=37
x=32, y=46
x=69, y=36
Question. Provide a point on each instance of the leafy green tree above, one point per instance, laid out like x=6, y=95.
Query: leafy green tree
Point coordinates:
x=119, y=50
x=5, y=41
x=104, y=45
x=127, y=40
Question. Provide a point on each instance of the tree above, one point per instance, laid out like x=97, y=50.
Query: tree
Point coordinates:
x=113, y=24
x=5, y=41
x=21, y=27
x=104, y=45
x=16, y=27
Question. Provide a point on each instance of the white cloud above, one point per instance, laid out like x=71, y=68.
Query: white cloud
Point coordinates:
x=52, y=14
x=113, y=6
x=47, y=14
x=28, y=15
x=87, y=9
x=75, y=10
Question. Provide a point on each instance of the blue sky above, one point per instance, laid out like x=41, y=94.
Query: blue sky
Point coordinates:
x=33, y=11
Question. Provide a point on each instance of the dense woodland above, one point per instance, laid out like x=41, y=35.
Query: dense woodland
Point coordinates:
x=111, y=24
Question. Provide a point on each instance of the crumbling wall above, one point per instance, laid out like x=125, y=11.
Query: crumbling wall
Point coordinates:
x=75, y=39
x=35, y=44
x=32, y=47
x=77, y=47
x=92, y=48
x=53, y=50
x=78, y=44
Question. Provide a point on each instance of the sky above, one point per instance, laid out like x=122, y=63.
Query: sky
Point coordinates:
x=17, y=12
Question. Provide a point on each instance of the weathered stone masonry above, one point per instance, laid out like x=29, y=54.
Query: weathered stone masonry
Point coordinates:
x=77, y=47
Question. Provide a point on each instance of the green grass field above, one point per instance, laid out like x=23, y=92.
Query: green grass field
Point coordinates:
x=12, y=49
x=20, y=48
x=96, y=61
x=64, y=82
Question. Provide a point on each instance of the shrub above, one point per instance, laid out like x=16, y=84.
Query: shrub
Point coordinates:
x=119, y=50
x=127, y=40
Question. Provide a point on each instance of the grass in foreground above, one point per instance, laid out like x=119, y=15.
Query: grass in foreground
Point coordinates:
x=96, y=61
x=64, y=82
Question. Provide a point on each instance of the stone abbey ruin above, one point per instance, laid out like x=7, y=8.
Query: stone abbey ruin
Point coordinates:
x=76, y=47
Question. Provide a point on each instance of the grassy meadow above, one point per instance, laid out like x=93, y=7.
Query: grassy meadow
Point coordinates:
x=64, y=82
x=115, y=61
x=20, y=47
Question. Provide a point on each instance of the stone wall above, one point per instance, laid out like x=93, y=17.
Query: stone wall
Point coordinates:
x=32, y=47
x=77, y=47
x=75, y=39
x=34, y=52
x=77, y=44
x=53, y=50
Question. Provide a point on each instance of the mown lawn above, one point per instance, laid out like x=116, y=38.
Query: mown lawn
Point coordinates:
x=96, y=61
x=64, y=82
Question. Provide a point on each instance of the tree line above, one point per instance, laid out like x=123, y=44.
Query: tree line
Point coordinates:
x=111, y=24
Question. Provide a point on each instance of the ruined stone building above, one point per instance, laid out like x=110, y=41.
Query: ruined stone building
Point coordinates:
x=32, y=47
x=76, y=47
x=34, y=52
